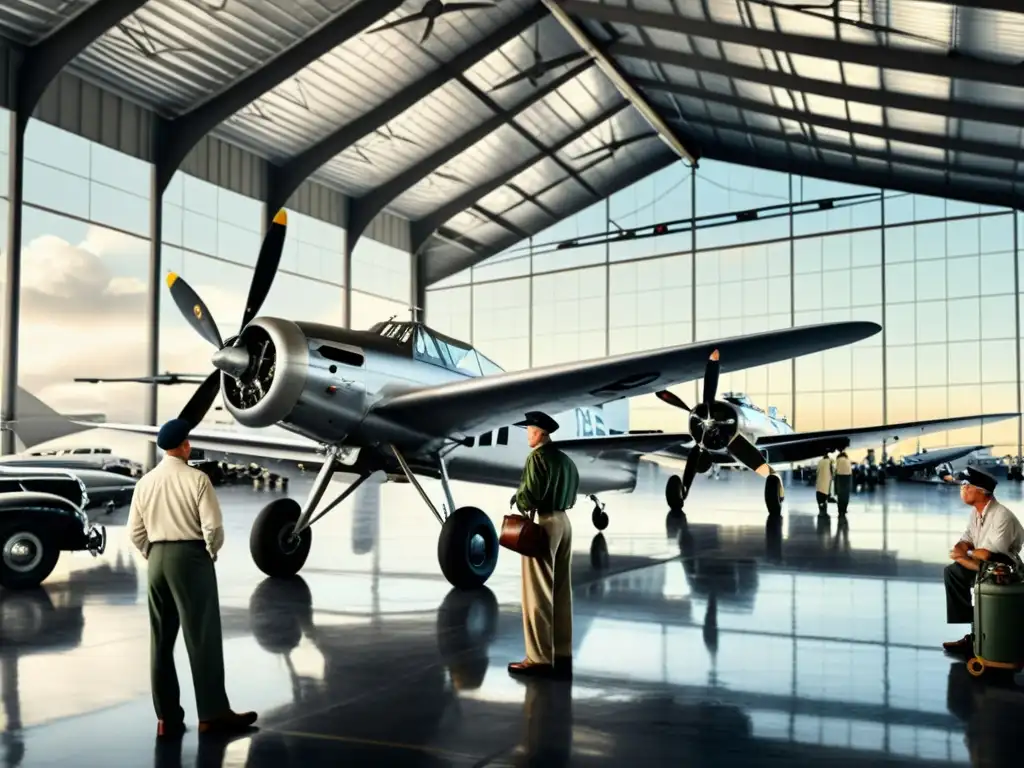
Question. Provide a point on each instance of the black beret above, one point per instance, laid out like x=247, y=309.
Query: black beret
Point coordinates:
x=540, y=420
x=173, y=433
x=980, y=479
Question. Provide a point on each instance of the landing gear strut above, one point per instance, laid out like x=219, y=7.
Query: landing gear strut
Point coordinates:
x=467, y=549
x=281, y=536
x=598, y=517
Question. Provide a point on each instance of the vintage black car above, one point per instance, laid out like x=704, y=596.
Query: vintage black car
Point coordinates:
x=41, y=515
x=105, y=488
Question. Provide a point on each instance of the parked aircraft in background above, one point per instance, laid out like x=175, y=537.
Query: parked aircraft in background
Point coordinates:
x=409, y=401
x=924, y=463
x=741, y=433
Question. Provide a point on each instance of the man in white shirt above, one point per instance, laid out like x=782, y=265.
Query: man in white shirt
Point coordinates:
x=823, y=483
x=175, y=522
x=993, y=532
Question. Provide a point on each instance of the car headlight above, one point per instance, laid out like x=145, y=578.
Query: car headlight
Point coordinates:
x=85, y=492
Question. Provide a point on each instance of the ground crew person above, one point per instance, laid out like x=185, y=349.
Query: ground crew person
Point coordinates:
x=993, y=532
x=548, y=488
x=844, y=481
x=175, y=522
x=823, y=484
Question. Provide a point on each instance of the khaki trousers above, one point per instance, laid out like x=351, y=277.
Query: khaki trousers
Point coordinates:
x=547, y=593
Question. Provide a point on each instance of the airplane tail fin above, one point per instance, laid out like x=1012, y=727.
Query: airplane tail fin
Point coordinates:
x=37, y=422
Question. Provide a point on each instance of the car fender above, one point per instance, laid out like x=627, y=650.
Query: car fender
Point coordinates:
x=60, y=517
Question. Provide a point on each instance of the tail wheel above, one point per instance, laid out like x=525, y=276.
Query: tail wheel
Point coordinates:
x=599, y=518
x=773, y=494
x=674, y=492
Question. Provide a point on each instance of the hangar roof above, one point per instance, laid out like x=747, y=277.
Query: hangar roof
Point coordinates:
x=484, y=122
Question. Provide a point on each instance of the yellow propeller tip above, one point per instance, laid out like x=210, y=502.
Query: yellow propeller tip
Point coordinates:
x=281, y=217
x=171, y=277
x=714, y=355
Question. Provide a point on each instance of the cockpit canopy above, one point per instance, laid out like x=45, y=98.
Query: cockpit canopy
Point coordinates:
x=739, y=398
x=423, y=343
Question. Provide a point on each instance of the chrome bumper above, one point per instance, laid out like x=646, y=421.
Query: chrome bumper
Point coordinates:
x=96, y=539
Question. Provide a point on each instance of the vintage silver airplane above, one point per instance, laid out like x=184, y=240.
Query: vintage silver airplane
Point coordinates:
x=409, y=401
x=740, y=433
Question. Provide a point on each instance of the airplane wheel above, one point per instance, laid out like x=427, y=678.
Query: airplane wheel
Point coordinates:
x=599, y=518
x=27, y=555
x=976, y=667
x=773, y=494
x=270, y=541
x=674, y=492
x=467, y=549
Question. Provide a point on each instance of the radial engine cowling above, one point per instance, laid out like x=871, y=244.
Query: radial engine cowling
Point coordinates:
x=716, y=431
x=269, y=386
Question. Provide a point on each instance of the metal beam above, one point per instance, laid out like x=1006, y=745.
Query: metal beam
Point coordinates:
x=434, y=272
x=859, y=176
x=362, y=210
x=1010, y=6
x=285, y=179
x=984, y=113
x=621, y=82
x=177, y=137
x=856, y=152
x=423, y=228
x=963, y=67
x=951, y=143
x=494, y=218
x=35, y=69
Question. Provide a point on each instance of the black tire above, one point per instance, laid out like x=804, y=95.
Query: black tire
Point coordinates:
x=467, y=549
x=773, y=495
x=674, y=492
x=268, y=541
x=28, y=554
x=599, y=518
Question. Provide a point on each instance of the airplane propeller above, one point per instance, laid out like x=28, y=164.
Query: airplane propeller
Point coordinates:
x=231, y=356
x=714, y=428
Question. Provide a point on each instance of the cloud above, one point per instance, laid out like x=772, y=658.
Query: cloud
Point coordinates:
x=79, y=318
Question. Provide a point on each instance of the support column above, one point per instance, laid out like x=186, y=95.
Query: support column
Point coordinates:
x=1016, y=305
x=156, y=236
x=12, y=286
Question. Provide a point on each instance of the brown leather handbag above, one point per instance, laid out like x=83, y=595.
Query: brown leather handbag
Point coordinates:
x=520, y=534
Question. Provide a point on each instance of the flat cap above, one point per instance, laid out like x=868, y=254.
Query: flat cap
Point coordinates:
x=980, y=479
x=540, y=420
x=172, y=434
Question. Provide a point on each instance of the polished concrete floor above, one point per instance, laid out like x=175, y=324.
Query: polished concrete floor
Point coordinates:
x=710, y=640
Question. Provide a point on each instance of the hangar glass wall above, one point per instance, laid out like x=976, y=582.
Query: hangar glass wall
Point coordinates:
x=939, y=275
x=85, y=262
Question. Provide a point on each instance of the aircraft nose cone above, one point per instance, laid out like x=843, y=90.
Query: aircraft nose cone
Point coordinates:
x=231, y=360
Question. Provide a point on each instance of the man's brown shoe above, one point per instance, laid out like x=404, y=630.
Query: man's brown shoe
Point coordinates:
x=231, y=722
x=528, y=668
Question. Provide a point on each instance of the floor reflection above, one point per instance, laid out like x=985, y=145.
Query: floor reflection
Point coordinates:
x=720, y=635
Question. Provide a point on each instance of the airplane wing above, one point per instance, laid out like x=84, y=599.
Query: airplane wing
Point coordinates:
x=620, y=445
x=219, y=443
x=803, y=446
x=489, y=402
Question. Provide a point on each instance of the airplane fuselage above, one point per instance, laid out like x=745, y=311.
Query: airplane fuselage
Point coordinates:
x=325, y=381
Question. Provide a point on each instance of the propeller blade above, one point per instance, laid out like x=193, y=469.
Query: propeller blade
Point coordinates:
x=428, y=30
x=199, y=404
x=711, y=380
x=194, y=310
x=590, y=152
x=266, y=267
x=397, y=23
x=518, y=77
x=667, y=397
x=745, y=453
x=452, y=7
